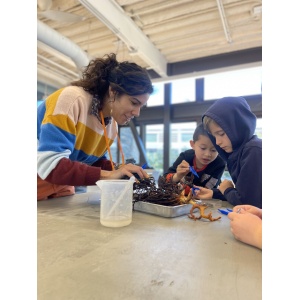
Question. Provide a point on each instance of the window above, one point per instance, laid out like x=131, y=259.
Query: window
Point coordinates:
x=184, y=133
x=129, y=146
x=157, y=97
x=154, y=147
x=174, y=137
x=151, y=137
x=233, y=83
x=39, y=102
x=186, y=137
x=258, y=130
x=183, y=90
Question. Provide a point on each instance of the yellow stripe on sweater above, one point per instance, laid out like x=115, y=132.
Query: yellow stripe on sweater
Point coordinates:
x=90, y=141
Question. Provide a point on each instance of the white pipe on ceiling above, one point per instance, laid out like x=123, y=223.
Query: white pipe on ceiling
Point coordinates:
x=54, y=39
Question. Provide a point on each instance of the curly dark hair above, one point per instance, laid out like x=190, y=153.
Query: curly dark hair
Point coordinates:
x=123, y=77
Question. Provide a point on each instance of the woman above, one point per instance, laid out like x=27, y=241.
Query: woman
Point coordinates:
x=77, y=124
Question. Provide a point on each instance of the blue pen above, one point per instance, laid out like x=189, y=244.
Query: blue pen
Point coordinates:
x=225, y=212
x=194, y=189
x=193, y=171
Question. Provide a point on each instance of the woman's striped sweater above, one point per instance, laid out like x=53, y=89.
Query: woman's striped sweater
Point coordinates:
x=71, y=142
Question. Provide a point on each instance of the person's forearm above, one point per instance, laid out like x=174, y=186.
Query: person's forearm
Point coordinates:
x=176, y=178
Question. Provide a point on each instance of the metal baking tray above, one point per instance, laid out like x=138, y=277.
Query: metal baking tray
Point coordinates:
x=172, y=211
x=161, y=210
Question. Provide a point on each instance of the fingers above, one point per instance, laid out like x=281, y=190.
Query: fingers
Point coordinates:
x=185, y=164
x=230, y=216
x=238, y=208
x=130, y=169
x=142, y=174
x=183, y=167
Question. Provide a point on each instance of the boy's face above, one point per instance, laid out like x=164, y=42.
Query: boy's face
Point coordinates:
x=221, y=137
x=205, y=151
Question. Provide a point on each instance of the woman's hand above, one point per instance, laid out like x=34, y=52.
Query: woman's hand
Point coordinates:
x=126, y=170
x=224, y=185
x=203, y=193
x=246, y=227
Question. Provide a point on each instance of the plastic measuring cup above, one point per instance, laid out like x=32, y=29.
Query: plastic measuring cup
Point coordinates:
x=116, y=202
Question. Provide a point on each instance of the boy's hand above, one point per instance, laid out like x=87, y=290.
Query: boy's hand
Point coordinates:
x=225, y=184
x=203, y=193
x=182, y=169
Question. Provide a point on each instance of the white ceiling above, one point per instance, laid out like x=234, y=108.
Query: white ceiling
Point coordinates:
x=152, y=33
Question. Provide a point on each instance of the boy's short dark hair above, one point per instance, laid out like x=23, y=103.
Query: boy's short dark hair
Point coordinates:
x=199, y=131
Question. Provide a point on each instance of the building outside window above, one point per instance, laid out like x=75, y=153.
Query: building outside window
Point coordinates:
x=129, y=146
x=154, y=146
x=184, y=133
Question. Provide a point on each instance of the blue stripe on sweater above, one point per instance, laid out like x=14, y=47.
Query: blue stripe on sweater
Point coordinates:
x=55, y=139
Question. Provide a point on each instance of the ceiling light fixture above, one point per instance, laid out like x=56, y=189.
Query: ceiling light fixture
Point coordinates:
x=256, y=10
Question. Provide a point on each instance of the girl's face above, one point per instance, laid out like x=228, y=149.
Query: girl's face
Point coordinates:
x=221, y=137
x=126, y=107
x=205, y=151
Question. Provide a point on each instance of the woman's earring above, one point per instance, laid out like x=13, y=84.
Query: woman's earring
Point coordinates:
x=111, y=112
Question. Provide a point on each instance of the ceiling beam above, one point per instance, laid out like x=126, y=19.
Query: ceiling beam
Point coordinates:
x=114, y=17
x=219, y=61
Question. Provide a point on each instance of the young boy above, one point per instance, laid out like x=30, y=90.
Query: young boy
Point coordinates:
x=204, y=158
x=231, y=126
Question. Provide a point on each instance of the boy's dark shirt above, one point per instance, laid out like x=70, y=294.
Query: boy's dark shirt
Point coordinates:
x=210, y=177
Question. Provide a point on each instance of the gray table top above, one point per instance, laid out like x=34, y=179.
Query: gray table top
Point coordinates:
x=152, y=258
